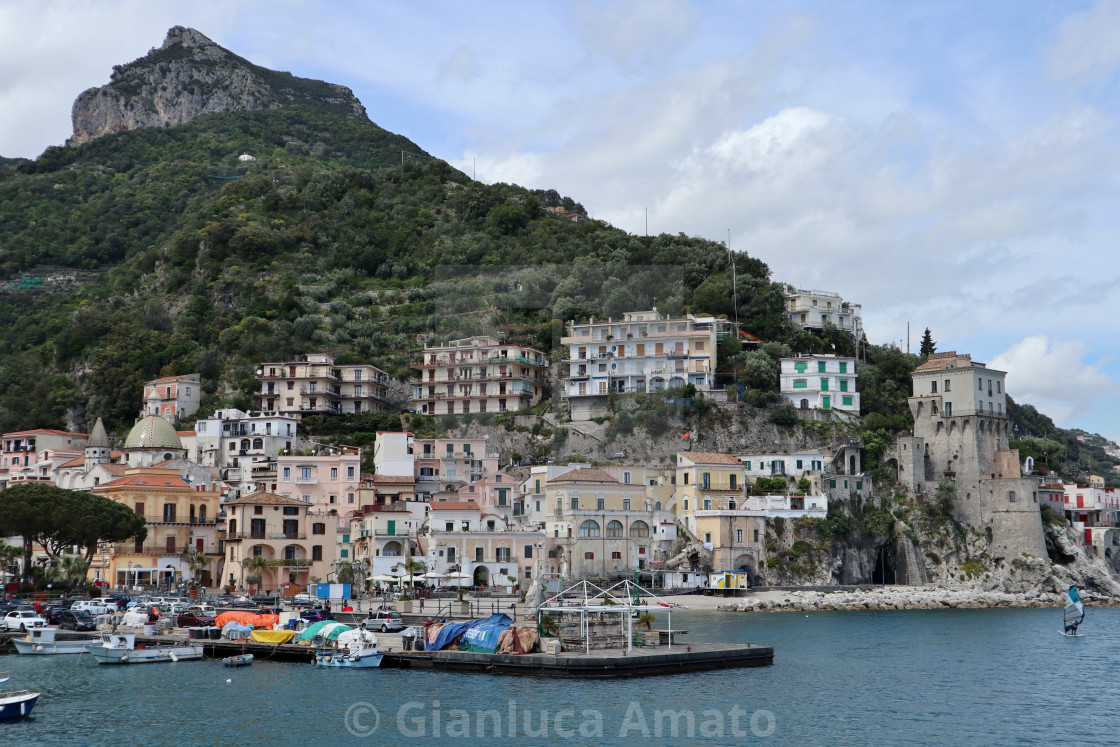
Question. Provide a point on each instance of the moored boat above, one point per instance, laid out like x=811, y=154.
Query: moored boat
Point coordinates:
x=41, y=641
x=357, y=650
x=121, y=648
x=243, y=660
x=16, y=703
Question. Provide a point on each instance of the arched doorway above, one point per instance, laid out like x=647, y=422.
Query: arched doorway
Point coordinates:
x=481, y=576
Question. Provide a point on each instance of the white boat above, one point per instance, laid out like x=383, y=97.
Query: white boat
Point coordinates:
x=41, y=641
x=358, y=650
x=16, y=703
x=121, y=648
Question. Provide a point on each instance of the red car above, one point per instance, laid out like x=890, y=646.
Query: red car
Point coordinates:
x=194, y=619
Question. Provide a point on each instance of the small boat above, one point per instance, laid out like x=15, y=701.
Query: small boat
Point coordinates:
x=360, y=652
x=121, y=648
x=243, y=660
x=15, y=703
x=41, y=641
x=1074, y=613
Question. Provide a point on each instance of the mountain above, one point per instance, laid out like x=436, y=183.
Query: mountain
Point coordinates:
x=190, y=75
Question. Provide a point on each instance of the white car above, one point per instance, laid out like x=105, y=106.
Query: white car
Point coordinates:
x=94, y=607
x=22, y=620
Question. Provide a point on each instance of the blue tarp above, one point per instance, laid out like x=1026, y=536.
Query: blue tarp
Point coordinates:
x=451, y=631
x=483, y=638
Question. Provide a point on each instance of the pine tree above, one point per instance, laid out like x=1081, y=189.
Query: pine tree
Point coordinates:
x=928, y=345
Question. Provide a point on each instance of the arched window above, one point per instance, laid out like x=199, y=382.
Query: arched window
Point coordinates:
x=639, y=529
x=202, y=514
x=589, y=528
x=258, y=443
x=244, y=444
x=614, y=528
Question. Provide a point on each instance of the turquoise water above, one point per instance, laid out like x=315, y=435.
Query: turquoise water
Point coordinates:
x=922, y=677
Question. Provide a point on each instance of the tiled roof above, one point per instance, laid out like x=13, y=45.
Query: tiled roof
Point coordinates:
x=117, y=470
x=265, y=499
x=45, y=431
x=710, y=457
x=389, y=479
x=585, y=474
x=148, y=480
x=938, y=361
x=75, y=462
x=170, y=378
x=455, y=506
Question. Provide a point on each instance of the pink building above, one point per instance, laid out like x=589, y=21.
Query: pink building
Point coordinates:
x=446, y=464
x=35, y=455
x=330, y=480
x=173, y=397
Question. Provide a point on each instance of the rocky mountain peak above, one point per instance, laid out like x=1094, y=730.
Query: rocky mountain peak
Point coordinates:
x=189, y=75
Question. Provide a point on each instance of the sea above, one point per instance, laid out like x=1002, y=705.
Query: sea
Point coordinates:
x=942, y=677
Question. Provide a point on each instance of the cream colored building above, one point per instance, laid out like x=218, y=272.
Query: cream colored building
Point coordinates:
x=319, y=386
x=711, y=500
x=293, y=539
x=478, y=374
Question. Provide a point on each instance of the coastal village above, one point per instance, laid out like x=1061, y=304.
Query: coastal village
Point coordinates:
x=244, y=503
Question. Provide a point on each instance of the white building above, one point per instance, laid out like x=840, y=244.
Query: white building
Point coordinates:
x=392, y=454
x=645, y=351
x=813, y=310
x=783, y=465
x=244, y=446
x=820, y=382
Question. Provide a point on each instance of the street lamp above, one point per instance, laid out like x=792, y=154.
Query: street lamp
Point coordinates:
x=127, y=574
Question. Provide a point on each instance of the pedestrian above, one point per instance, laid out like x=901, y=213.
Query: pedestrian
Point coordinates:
x=421, y=603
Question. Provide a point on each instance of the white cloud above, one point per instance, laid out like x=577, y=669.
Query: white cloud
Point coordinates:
x=1053, y=376
x=1088, y=42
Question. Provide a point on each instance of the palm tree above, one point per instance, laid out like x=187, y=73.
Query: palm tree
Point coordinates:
x=345, y=572
x=411, y=566
x=8, y=553
x=256, y=565
x=72, y=569
x=197, y=561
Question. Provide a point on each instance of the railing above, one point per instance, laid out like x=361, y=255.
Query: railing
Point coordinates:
x=125, y=549
x=307, y=481
x=515, y=359
x=267, y=536
x=162, y=519
x=293, y=562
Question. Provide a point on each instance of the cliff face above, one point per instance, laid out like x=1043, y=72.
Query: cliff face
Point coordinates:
x=190, y=75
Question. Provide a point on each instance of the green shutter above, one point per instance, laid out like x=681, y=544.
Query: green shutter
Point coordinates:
x=820, y=367
x=848, y=401
x=800, y=367
x=824, y=385
x=843, y=385
x=843, y=368
x=826, y=402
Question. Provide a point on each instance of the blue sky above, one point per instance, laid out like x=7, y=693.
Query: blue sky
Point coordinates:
x=951, y=165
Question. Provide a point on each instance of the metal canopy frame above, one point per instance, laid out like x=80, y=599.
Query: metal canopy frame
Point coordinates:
x=586, y=598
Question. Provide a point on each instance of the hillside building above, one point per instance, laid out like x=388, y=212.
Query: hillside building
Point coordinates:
x=478, y=374
x=711, y=502
x=645, y=351
x=319, y=386
x=173, y=397
x=814, y=310
x=36, y=455
x=820, y=382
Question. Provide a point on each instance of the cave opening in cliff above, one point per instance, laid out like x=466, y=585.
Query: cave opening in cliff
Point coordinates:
x=883, y=572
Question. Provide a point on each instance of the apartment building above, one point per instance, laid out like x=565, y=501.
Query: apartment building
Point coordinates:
x=319, y=386
x=711, y=496
x=820, y=382
x=447, y=464
x=173, y=397
x=478, y=374
x=244, y=446
x=36, y=455
x=645, y=351
x=814, y=310
x=329, y=480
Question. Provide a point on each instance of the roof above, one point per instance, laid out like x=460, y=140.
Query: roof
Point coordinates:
x=937, y=361
x=116, y=470
x=584, y=474
x=389, y=479
x=75, y=462
x=153, y=432
x=265, y=499
x=455, y=506
x=46, y=431
x=171, y=378
x=99, y=438
x=710, y=457
x=172, y=480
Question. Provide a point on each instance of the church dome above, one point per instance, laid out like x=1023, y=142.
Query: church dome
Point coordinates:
x=153, y=432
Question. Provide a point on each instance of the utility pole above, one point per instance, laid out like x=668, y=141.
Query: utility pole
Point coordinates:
x=647, y=221
x=734, y=281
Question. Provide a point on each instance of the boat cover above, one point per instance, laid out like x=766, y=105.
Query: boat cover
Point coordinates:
x=252, y=619
x=518, y=641
x=328, y=629
x=440, y=636
x=272, y=636
x=235, y=631
x=483, y=637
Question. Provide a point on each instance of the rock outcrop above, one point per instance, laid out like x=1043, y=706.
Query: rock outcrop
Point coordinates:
x=190, y=75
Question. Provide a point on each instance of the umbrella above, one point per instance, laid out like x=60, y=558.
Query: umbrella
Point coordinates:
x=384, y=579
x=432, y=576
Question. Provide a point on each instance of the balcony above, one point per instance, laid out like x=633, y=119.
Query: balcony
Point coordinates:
x=180, y=520
x=267, y=536
x=307, y=481
x=293, y=562
x=516, y=359
x=124, y=549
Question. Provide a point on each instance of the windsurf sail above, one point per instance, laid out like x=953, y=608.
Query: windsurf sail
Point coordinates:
x=1075, y=611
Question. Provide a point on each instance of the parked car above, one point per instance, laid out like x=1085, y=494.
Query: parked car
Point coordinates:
x=94, y=607
x=76, y=620
x=52, y=613
x=194, y=617
x=385, y=620
x=22, y=620
x=314, y=616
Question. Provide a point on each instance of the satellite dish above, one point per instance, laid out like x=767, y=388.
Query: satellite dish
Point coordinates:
x=260, y=371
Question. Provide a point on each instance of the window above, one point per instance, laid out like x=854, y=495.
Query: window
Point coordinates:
x=258, y=510
x=799, y=464
x=948, y=409
x=625, y=504
x=708, y=537
x=686, y=478
x=318, y=528
x=707, y=480
x=639, y=529
x=800, y=366
x=707, y=504
x=343, y=553
x=747, y=465
x=573, y=503
x=998, y=383
x=616, y=556
x=334, y=474
x=832, y=483
x=287, y=474
x=1011, y=496
x=449, y=526
x=600, y=504
x=946, y=384
x=589, y=528
x=843, y=367
x=933, y=387
x=305, y=473
x=820, y=367
x=503, y=555
x=738, y=536
x=478, y=554
x=843, y=385
x=685, y=504
x=589, y=556
x=614, y=529
x=756, y=535
x=824, y=385
x=800, y=383
x=349, y=473
x=626, y=478
x=847, y=401
x=349, y=497
x=528, y=551
x=291, y=510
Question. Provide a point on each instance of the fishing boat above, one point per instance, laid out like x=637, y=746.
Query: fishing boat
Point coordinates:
x=243, y=660
x=41, y=642
x=1074, y=613
x=357, y=650
x=121, y=648
x=15, y=703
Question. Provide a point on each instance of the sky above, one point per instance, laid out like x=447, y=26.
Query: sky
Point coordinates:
x=950, y=165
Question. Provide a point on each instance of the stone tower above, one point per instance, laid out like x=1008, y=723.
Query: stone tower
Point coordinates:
x=97, y=448
x=962, y=434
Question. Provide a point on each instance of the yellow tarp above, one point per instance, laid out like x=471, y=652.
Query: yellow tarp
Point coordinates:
x=271, y=636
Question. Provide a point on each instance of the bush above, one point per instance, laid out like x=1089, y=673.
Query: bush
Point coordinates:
x=785, y=416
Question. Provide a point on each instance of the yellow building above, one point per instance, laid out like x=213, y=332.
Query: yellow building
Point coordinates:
x=180, y=518
x=711, y=498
